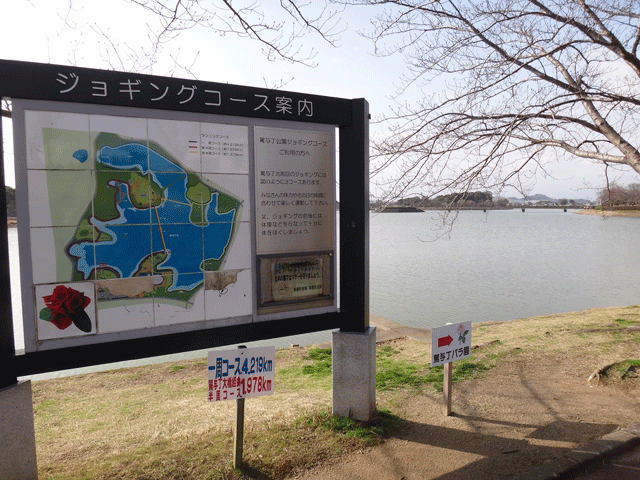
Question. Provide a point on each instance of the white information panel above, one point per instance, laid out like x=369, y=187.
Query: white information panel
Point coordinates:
x=295, y=200
x=241, y=373
x=135, y=225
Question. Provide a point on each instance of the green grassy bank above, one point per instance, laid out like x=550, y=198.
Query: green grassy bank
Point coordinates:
x=153, y=422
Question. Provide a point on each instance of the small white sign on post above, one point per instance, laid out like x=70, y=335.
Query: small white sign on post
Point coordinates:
x=450, y=343
x=241, y=373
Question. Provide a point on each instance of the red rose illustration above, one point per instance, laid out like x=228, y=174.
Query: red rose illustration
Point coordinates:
x=76, y=301
x=66, y=306
x=57, y=298
x=60, y=320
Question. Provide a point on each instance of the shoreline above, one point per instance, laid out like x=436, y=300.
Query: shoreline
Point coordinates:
x=13, y=222
x=610, y=213
x=386, y=331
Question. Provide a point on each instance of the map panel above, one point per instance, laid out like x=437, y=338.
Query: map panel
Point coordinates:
x=127, y=231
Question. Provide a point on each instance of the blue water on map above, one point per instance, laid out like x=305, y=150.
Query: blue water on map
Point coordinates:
x=136, y=233
x=157, y=163
x=128, y=213
x=125, y=156
x=81, y=155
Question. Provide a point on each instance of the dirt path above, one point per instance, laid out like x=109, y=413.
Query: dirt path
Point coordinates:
x=530, y=409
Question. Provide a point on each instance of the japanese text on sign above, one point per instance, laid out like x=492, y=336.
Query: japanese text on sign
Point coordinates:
x=180, y=94
x=294, y=190
x=240, y=373
x=296, y=279
x=450, y=343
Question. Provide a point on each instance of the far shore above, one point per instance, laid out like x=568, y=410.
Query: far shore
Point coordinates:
x=13, y=222
x=610, y=213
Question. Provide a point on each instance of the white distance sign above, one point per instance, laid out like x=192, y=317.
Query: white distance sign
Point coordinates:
x=241, y=373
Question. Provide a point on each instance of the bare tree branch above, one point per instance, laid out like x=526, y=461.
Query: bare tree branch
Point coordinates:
x=5, y=108
x=503, y=86
x=281, y=27
x=279, y=30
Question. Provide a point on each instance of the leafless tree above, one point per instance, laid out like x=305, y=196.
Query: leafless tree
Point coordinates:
x=5, y=110
x=504, y=86
x=633, y=192
x=278, y=26
x=614, y=194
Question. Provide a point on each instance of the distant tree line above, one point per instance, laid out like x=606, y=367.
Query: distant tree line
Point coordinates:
x=11, y=201
x=465, y=199
x=454, y=200
x=617, y=195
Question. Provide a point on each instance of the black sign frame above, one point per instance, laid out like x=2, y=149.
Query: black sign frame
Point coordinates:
x=34, y=81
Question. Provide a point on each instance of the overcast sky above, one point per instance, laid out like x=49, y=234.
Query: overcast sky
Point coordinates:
x=35, y=30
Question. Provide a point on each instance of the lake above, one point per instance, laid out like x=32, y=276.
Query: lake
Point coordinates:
x=500, y=265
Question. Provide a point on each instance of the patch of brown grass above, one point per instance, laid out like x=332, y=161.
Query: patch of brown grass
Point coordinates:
x=153, y=422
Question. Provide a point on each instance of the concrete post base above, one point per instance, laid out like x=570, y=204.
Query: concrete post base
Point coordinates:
x=18, y=444
x=354, y=374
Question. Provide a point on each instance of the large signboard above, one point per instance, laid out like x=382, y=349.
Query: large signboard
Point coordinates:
x=197, y=213
x=139, y=222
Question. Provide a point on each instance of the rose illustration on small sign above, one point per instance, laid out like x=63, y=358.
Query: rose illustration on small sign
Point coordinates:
x=462, y=334
x=66, y=306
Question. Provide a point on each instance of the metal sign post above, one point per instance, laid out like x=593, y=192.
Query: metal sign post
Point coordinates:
x=238, y=439
x=7, y=348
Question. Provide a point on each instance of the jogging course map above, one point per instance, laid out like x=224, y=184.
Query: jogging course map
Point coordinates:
x=140, y=221
x=150, y=218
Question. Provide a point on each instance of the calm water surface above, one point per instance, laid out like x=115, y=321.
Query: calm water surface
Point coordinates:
x=502, y=265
